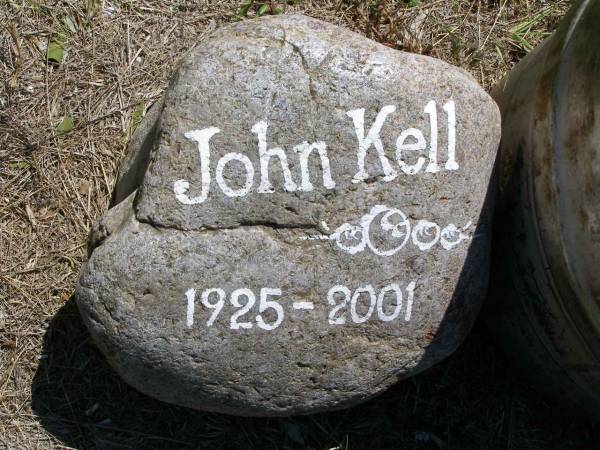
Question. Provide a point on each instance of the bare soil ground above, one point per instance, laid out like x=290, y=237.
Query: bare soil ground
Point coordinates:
x=77, y=77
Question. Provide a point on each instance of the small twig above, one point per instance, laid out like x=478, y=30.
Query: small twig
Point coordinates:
x=494, y=24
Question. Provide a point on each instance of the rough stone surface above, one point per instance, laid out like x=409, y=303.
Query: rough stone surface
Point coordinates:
x=167, y=240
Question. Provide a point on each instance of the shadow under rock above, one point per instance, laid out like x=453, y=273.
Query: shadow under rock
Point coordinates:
x=467, y=401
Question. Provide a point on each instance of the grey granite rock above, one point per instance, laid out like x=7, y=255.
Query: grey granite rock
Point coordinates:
x=224, y=284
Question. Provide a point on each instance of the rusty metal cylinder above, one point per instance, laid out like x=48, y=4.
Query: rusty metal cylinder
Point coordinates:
x=544, y=306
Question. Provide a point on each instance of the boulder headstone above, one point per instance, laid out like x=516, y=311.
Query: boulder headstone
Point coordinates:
x=299, y=223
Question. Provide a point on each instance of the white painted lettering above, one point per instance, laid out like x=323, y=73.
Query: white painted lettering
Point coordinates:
x=411, y=294
x=235, y=301
x=201, y=137
x=381, y=298
x=368, y=289
x=345, y=292
x=372, y=139
x=217, y=307
x=431, y=110
x=401, y=145
x=304, y=150
x=410, y=157
x=190, y=295
x=266, y=304
x=340, y=299
x=249, y=174
x=260, y=129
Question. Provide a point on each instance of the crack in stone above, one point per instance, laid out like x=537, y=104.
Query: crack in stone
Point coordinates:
x=241, y=224
x=307, y=70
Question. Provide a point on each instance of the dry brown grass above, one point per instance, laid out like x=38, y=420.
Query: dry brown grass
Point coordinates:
x=53, y=185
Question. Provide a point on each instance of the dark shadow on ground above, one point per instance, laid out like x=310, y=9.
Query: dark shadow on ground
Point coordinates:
x=468, y=401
